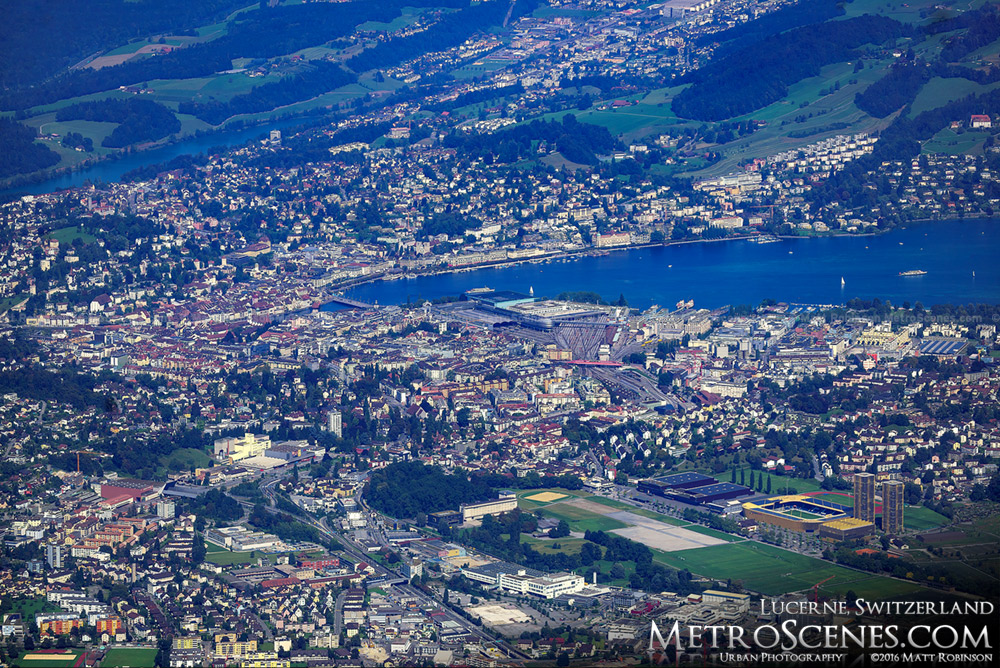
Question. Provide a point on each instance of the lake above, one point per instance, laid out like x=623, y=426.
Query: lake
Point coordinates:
x=109, y=171
x=961, y=258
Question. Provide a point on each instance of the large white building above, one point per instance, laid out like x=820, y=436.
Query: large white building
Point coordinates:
x=506, y=503
x=242, y=447
x=545, y=586
x=524, y=580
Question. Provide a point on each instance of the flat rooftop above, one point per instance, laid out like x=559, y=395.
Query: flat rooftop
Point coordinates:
x=686, y=479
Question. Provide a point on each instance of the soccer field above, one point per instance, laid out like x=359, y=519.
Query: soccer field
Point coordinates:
x=130, y=657
x=772, y=571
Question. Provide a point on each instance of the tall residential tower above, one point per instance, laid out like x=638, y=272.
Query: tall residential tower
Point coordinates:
x=892, y=507
x=864, y=496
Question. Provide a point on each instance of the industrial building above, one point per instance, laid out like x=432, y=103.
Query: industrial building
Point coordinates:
x=693, y=488
x=681, y=481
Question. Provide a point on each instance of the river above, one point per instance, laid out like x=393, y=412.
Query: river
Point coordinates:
x=961, y=258
x=109, y=171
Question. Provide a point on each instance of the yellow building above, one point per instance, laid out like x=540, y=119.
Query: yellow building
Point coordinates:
x=265, y=660
x=848, y=528
x=228, y=646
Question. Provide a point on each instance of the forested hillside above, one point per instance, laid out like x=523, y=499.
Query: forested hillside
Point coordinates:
x=753, y=77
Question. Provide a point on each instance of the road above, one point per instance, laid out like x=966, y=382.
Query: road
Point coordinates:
x=338, y=613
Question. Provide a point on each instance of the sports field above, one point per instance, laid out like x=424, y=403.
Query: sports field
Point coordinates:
x=546, y=497
x=580, y=519
x=772, y=571
x=130, y=657
x=801, y=514
x=51, y=658
x=530, y=499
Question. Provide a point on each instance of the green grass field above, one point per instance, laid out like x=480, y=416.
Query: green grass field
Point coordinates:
x=772, y=571
x=227, y=558
x=907, y=12
x=67, y=235
x=919, y=518
x=130, y=657
x=407, y=16
x=524, y=502
x=184, y=458
x=938, y=92
x=714, y=533
x=582, y=520
x=567, y=545
x=10, y=302
x=836, y=498
x=949, y=142
x=27, y=607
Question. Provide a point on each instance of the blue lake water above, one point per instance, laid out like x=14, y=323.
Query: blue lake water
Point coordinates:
x=110, y=171
x=961, y=258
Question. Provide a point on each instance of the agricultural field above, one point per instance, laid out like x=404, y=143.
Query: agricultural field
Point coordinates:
x=919, y=518
x=772, y=571
x=906, y=12
x=130, y=657
x=950, y=142
x=938, y=92
x=814, y=109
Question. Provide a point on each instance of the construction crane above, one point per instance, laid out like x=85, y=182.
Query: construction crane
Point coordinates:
x=84, y=452
x=815, y=588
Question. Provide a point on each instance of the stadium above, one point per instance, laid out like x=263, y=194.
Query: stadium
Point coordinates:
x=796, y=512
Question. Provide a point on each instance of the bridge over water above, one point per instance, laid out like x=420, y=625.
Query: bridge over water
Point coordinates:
x=347, y=301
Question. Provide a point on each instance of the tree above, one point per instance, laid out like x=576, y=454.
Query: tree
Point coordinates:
x=560, y=531
x=768, y=490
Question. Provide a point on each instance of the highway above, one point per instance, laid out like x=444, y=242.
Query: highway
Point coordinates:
x=354, y=551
